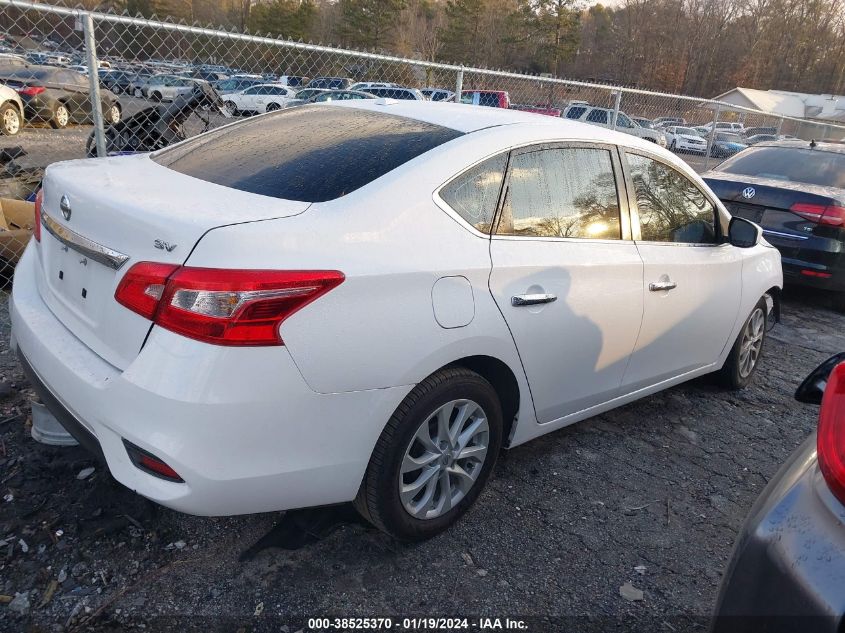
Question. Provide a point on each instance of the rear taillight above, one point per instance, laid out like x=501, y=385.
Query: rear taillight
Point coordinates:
x=831, y=435
x=36, y=227
x=222, y=306
x=823, y=214
x=31, y=91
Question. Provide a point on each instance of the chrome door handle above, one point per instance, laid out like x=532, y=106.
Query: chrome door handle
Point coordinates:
x=532, y=300
x=657, y=286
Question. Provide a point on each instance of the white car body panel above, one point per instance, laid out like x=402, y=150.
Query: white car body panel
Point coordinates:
x=9, y=94
x=244, y=100
x=269, y=428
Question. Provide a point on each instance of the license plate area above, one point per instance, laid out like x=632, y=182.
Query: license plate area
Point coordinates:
x=80, y=283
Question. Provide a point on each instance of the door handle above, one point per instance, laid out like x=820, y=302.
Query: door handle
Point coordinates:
x=532, y=300
x=657, y=286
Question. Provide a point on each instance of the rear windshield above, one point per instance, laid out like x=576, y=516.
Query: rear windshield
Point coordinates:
x=306, y=153
x=791, y=164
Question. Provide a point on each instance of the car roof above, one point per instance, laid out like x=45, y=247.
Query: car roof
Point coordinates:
x=820, y=146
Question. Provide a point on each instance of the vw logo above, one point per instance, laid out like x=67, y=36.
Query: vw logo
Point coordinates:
x=64, y=205
x=748, y=193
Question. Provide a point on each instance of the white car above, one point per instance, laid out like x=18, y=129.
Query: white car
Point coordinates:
x=604, y=117
x=11, y=111
x=260, y=98
x=168, y=87
x=243, y=323
x=726, y=126
x=685, y=139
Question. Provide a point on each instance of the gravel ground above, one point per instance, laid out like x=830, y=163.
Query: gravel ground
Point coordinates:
x=651, y=494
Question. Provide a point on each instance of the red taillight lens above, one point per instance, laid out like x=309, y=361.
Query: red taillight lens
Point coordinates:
x=36, y=228
x=31, y=91
x=823, y=214
x=831, y=435
x=142, y=287
x=222, y=306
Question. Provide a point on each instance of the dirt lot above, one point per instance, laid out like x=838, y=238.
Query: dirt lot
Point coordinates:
x=651, y=494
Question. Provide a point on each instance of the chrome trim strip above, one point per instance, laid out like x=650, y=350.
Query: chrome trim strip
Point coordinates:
x=81, y=244
x=789, y=236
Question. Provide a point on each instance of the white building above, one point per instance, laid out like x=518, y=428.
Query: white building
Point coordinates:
x=827, y=108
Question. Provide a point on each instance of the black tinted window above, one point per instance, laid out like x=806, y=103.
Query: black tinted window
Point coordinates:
x=567, y=192
x=671, y=207
x=475, y=192
x=810, y=166
x=597, y=116
x=309, y=153
x=575, y=113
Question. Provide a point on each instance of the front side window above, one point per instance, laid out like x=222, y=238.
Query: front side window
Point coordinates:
x=671, y=207
x=568, y=192
x=475, y=193
x=251, y=91
x=597, y=116
x=622, y=120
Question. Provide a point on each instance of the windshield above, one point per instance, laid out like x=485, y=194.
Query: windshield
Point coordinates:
x=685, y=130
x=814, y=167
x=728, y=138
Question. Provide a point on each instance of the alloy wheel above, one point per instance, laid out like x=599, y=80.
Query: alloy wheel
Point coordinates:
x=11, y=121
x=752, y=341
x=444, y=459
x=62, y=115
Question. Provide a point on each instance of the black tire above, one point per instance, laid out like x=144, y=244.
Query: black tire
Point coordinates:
x=378, y=499
x=11, y=121
x=61, y=116
x=672, y=145
x=231, y=108
x=112, y=114
x=732, y=375
x=139, y=94
x=272, y=107
x=156, y=96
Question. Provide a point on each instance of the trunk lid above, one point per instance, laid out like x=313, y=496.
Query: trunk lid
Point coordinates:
x=126, y=209
x=770, y=204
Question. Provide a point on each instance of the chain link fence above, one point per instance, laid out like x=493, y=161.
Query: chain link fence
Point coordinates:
x=60, y=62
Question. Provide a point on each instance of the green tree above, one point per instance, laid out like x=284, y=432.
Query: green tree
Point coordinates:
x=292, y=19
x=369, y=24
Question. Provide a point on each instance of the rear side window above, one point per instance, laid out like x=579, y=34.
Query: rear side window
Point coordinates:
x=309, y=153
x=597, y=116
x=671, y=207
x=475, y=193
x=575, y=113
x=569, y=192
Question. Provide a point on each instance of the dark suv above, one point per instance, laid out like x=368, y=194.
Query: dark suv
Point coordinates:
x=795, y=190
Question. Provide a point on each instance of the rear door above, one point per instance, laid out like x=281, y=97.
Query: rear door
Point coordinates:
x=692, y=279
x=566, y=275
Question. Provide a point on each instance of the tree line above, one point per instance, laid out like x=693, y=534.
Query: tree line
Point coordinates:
x=695, y=47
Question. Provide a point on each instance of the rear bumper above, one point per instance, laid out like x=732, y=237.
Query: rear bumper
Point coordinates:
x=239, y=425
x=787, y=572
x=794, y=274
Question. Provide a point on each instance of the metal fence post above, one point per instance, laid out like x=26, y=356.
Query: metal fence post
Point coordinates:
x=94, y=83
x=712, y=136
x=616, y=105
x=780, y=127
x=459, y=84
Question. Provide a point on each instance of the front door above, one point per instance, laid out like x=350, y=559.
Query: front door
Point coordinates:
x=566, y=275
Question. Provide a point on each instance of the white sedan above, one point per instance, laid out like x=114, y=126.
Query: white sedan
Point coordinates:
x=367, y=300
x=258, y=99
x=684, y=139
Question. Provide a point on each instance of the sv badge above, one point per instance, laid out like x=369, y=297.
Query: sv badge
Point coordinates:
x=164, y=246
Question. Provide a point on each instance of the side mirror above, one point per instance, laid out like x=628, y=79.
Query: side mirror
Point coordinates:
x=743, y=233
x=812, y=389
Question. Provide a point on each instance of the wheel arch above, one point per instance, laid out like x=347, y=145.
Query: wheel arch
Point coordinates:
x=504, y=381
